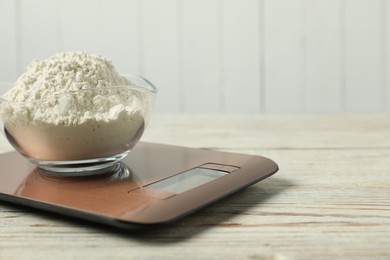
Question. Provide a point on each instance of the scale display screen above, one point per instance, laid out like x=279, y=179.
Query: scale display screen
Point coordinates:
x=187, y=180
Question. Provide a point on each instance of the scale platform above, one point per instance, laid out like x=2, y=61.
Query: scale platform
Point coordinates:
x=157, y=184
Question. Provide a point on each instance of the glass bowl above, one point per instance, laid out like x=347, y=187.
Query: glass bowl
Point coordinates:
x=64, y=138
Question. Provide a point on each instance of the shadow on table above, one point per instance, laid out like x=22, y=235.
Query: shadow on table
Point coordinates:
x=218, y=214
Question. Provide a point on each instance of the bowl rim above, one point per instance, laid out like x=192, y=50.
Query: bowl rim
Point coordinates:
x=133, y=86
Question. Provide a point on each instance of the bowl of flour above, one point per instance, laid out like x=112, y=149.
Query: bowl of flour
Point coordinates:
x=73, y=114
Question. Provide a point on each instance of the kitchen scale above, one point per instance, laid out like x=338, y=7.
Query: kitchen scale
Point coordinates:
x=157, y=184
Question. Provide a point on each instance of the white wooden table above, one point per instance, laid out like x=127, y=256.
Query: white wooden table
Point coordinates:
x=330, y=198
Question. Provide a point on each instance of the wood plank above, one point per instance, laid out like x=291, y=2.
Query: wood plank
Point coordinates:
x=272, y=132
x=323, y=56
x=161, y=51
x=310, y=209
x=199, y=45
x=284, y=67
x=241, y=50
x=8, y=46
x=364, y=51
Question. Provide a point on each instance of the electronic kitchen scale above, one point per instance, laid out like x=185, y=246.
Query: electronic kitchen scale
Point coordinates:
x=158, y=184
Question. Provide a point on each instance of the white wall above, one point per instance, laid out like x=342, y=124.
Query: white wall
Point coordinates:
x=216, y=56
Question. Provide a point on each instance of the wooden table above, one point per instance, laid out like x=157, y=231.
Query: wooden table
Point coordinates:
x=330, y=198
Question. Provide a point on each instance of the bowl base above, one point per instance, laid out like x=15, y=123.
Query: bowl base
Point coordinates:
x=80, y=171
x=80, y=168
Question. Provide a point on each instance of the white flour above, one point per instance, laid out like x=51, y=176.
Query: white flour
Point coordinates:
x=53, y=81
x=66, y=103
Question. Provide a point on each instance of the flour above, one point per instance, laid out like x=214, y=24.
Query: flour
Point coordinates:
x=69, y=101
x=55, y=81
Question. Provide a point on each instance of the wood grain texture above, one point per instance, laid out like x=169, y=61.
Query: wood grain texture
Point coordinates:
x=330, y=199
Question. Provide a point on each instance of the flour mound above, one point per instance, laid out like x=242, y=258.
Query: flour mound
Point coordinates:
x=70, y=88
x=74, y=106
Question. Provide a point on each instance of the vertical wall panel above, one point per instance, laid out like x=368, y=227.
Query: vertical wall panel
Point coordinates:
x=386, y=43
x=160, y=51
x=8, y=64
x=109, y=28
x=323, y=56
x=200, y=74
x=364, y=50
x=219, y=55
x=119, y=34
x=284, y=70
x=81, y=25
x=241, y=56
x=38, y=25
